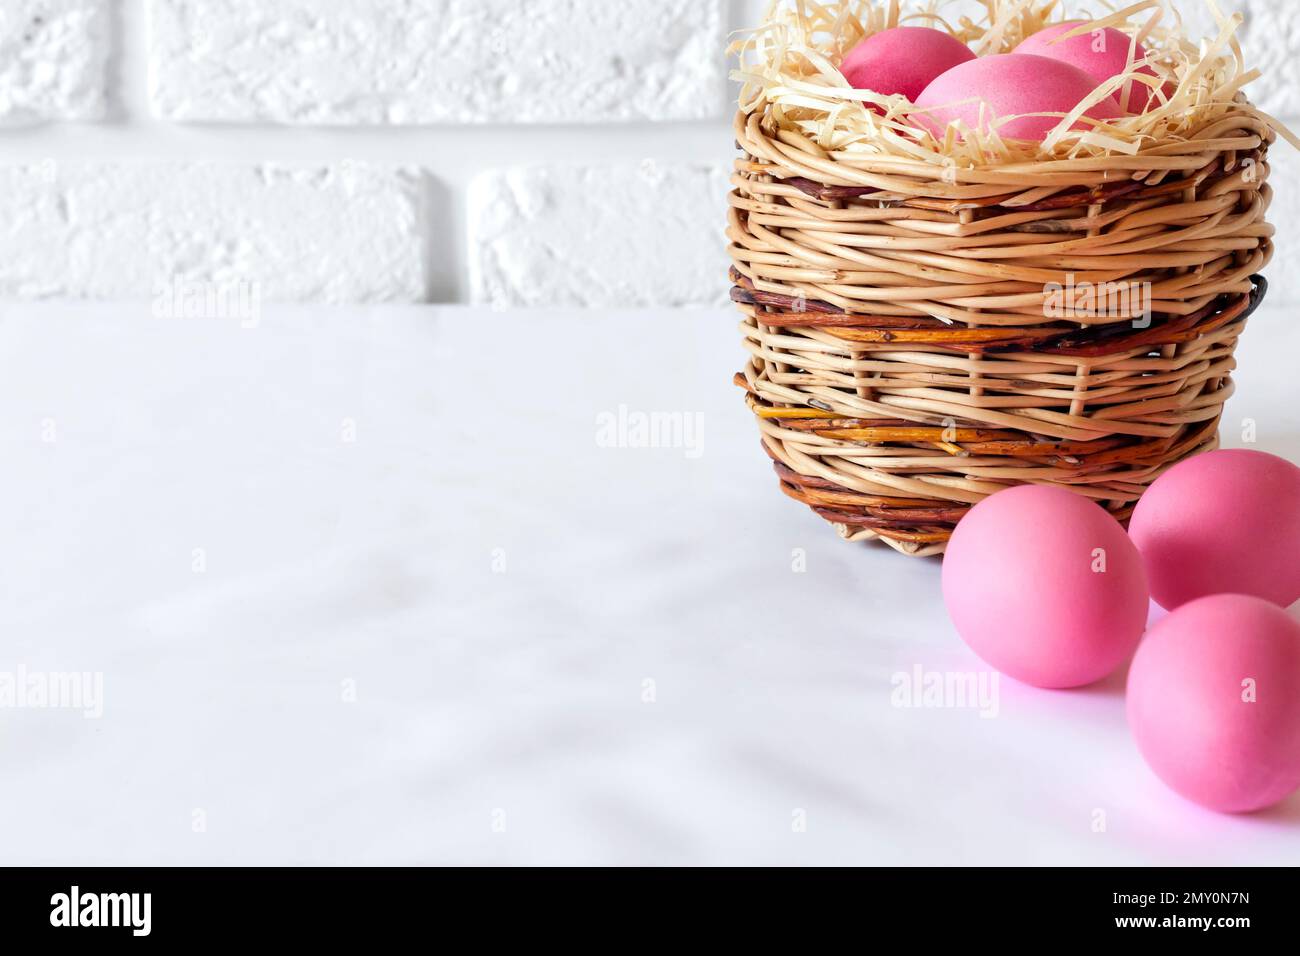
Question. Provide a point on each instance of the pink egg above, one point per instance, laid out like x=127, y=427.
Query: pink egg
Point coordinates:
x=1102, y=54
x=1045, y=586
x=1010, y=85
x=1225, y=522
x=1214, y=702
x=903, y=60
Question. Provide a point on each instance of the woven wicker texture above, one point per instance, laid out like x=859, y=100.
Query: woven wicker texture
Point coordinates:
x=921, y=337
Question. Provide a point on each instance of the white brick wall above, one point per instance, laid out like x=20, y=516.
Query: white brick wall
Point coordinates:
x=566, y=153
x=350, y=62
x=53, y=60
x=598, y=236
x=1273, y=38
x=340, y=233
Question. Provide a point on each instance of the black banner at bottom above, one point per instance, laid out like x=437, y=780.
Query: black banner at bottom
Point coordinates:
x=338, y=906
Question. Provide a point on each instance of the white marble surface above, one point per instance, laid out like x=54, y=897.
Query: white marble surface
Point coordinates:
x=499, y=711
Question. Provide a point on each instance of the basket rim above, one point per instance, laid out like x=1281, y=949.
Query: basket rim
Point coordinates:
x=1242, y=129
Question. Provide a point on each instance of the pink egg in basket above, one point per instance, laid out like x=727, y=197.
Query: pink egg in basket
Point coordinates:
x=1102, y=54
x=1214, y=702
x=903, y=60
x=1044, y=585
x=1010, y=85
x=1223, y=522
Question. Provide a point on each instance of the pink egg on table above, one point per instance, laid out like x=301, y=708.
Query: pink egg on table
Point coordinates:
x=903, y=60
x=1010, y=85
x=1102, y=54
x=1214, y=702
x=1224, y=522
x=1045, y=586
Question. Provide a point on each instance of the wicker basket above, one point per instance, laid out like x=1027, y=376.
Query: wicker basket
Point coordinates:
x=906, y=360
